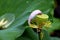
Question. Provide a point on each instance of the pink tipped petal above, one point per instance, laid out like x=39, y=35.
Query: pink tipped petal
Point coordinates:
x=33, y=14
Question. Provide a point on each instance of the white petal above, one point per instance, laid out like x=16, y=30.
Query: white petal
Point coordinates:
x=33, y=14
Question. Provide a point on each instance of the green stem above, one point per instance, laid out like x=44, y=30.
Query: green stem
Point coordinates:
x=38, y=33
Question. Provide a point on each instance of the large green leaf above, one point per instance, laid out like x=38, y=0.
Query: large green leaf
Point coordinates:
x=23, y=38
x=11, y=34
x=55, y=38
x=21, y=9
x=29, y=34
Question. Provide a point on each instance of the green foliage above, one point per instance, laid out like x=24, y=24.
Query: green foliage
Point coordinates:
x=29, y=34
x=55, y=38
x=45, y=34
x=21, y=9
